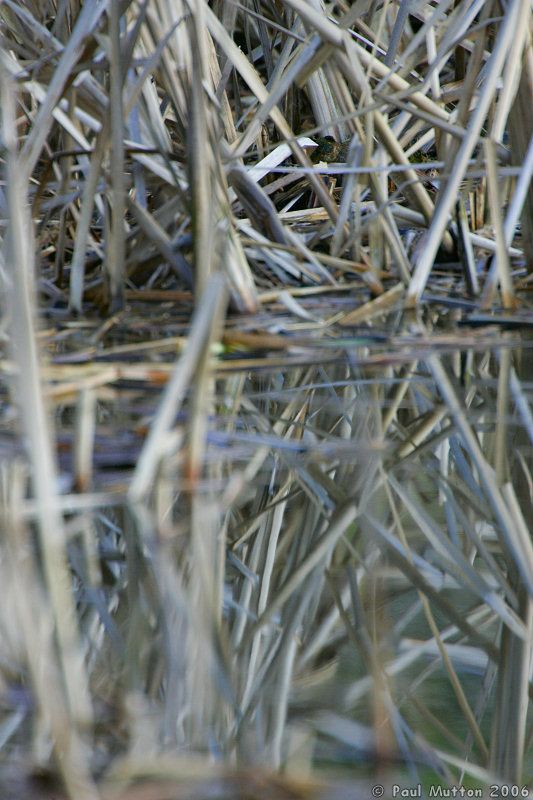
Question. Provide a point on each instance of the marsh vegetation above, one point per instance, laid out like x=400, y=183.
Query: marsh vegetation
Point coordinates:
x=266, y=431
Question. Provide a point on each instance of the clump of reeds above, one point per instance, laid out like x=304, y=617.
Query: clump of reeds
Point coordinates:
x=266, y=432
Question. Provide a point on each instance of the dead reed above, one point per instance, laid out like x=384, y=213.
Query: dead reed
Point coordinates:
x=266, y=438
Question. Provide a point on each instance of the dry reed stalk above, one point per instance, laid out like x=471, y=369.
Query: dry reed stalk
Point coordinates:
x=117, y=245
x=74, y=715
x=198, y=341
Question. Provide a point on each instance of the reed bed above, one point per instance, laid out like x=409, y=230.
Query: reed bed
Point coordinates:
x=266, y=435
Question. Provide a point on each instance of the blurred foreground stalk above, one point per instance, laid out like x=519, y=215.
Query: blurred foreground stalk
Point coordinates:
x=51, y=638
